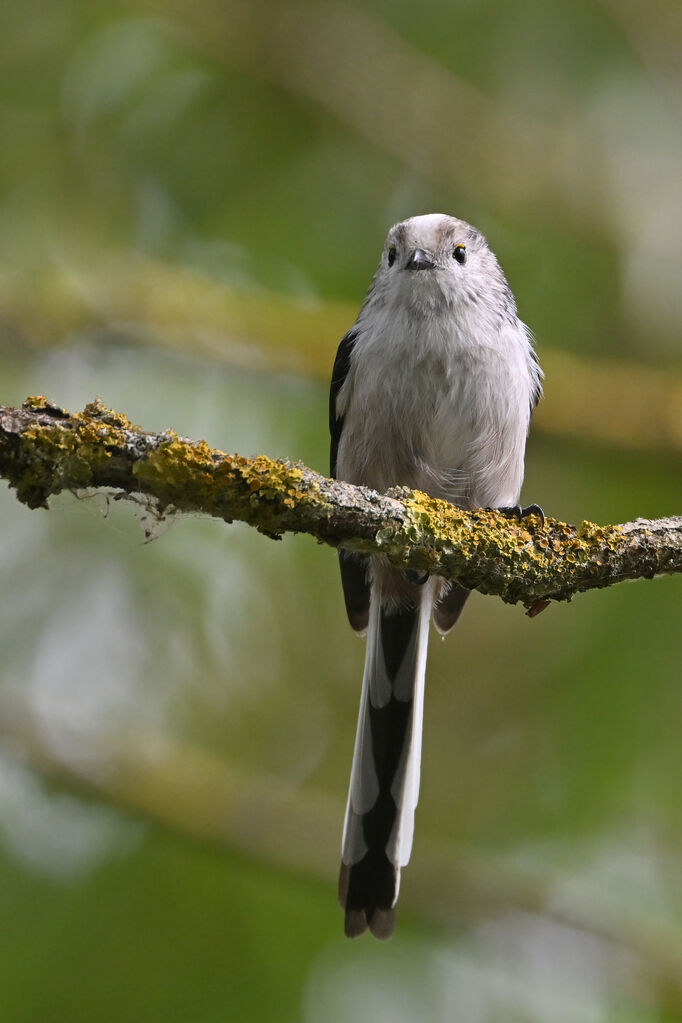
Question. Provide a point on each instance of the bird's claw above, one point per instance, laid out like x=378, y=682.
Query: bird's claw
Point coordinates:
x=515, y=511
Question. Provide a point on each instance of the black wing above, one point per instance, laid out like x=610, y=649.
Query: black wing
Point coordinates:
x=353, y=567
x=339, y=374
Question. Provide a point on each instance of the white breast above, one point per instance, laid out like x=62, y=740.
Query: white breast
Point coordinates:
x=432, y=405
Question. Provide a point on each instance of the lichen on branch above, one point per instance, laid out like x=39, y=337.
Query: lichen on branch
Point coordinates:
x=45, y=450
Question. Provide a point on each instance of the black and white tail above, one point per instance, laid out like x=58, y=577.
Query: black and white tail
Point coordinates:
x=384, y=784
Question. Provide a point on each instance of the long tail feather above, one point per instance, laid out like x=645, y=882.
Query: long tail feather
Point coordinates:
x=384, y=785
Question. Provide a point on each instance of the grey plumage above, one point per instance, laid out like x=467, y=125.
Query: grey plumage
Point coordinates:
x=432, y=388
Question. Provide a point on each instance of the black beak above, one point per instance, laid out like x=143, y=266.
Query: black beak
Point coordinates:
x=419, y=261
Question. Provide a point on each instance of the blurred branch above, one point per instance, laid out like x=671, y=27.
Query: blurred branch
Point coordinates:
x=593, y=400
x=45, y=450
x=654, y=31
x=192, y=793
x=404, y=102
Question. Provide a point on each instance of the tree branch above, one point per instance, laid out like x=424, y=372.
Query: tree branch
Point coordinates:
x=45, y=450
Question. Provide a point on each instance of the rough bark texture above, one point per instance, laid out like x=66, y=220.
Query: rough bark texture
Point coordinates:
x=45, y=450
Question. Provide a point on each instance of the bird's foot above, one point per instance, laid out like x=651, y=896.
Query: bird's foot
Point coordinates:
x=515, y=511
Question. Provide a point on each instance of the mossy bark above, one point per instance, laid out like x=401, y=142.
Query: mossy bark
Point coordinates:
x=45, y=450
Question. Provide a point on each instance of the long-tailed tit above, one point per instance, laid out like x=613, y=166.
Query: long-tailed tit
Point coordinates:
x=433, y=388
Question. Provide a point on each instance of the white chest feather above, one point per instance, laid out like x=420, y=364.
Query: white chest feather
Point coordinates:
x=433, y=404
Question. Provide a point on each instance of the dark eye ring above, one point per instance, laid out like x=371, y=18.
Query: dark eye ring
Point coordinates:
x=391, y=255
x=460, y=253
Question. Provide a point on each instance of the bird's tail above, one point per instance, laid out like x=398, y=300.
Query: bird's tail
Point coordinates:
x=384, y=784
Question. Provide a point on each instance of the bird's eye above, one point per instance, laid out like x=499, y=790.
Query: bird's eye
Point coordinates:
x=460, y=253
x=391, y=255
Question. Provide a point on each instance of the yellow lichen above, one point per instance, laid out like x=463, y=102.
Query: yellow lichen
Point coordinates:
x=99, y=445
x=38, y=402
x=98, y=411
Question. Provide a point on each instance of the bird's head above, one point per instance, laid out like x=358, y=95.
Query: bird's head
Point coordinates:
x=437, y=260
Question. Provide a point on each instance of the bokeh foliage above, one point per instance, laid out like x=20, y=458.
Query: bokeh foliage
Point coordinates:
x=192, y=202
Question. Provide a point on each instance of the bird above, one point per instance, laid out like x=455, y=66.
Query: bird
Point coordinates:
x=432, y=388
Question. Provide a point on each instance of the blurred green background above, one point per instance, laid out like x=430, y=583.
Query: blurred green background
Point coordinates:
x=193, y=198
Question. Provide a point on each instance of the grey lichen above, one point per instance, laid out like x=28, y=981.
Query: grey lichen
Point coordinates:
x=45, y=450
